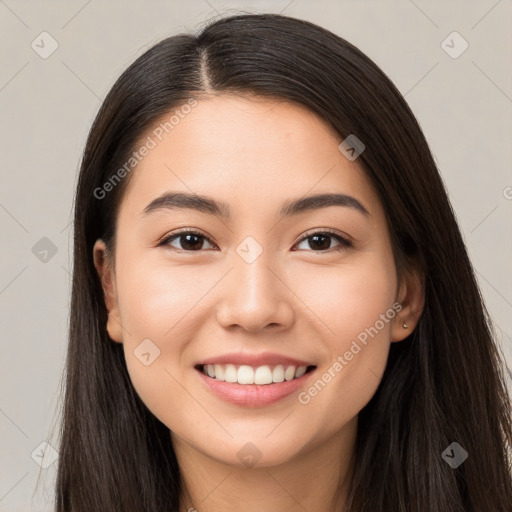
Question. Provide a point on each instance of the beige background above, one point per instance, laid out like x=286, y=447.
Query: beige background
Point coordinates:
x=464, y=106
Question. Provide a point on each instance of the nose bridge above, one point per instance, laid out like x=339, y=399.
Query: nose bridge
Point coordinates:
x=255, y=297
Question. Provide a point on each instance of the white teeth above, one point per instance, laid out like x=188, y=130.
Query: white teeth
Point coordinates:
x=278, y=373
x=289, y=373
x=230, y=373
x=248, y=375
x=262, y=375
x=219, y=372
x=245, y=375
x=301, y=370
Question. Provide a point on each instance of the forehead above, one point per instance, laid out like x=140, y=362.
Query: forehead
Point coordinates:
x=245, y=151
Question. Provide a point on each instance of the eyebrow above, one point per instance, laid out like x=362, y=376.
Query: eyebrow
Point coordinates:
x=183, y=200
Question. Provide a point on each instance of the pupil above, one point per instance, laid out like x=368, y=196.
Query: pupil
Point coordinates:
x=317, y=245
x=190, y=245
x=314, y=242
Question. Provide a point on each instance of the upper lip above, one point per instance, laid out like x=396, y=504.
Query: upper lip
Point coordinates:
x=255, y=360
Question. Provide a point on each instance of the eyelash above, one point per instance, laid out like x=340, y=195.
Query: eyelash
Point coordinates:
x=344, y=242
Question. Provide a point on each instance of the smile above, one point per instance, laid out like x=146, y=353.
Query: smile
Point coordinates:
x=253, y=381
x=261, y=375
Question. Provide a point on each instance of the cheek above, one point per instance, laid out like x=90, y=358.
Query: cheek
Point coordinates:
x=355, y=308
x=156, y=304
x=348, y=300
x=153, y=299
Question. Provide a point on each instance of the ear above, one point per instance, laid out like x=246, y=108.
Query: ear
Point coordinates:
x=411, y=297
x=105, y=268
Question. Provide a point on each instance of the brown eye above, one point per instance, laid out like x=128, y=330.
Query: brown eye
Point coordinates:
x=187, y=240
x=320, y=241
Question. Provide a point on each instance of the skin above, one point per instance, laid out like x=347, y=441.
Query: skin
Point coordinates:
x=294, y=299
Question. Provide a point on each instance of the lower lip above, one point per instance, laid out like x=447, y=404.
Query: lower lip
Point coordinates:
x=253, y=395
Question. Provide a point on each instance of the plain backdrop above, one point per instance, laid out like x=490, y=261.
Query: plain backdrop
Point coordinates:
x=462, y=99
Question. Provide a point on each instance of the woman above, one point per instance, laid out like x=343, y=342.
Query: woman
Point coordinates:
x=272, y=305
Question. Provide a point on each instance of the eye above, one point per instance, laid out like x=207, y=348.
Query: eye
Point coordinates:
x=320, y=240
x=190, y=240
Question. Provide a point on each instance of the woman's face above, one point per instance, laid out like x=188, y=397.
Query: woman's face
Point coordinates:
x=264, y=293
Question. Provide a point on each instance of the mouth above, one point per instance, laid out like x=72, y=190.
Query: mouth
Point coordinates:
x=259, y=375
x=254, y=380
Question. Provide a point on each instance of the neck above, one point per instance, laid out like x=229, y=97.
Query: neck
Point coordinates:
x=316, y=479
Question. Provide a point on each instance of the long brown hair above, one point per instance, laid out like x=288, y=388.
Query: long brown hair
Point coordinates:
x=444, y=384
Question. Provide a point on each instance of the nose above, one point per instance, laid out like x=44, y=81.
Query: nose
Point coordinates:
x=255, y=296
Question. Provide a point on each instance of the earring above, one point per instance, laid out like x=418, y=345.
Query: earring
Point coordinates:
x=405, y=326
